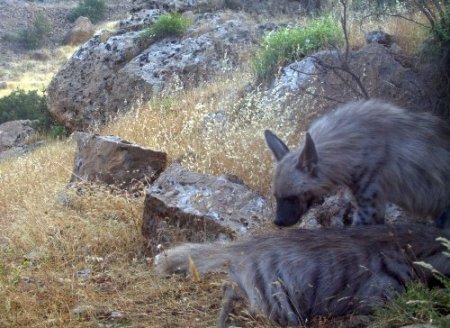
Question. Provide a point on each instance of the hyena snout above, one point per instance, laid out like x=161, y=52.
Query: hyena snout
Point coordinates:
x=289, y=211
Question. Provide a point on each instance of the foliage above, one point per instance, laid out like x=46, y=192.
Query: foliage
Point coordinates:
x=93, y=9
x=419, y=304
x=35, y=36
x=173, y=24
x=21, y=105
x=293, y=43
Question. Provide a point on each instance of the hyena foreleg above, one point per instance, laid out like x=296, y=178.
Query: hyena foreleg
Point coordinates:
x=231, y=295
x=370, y=205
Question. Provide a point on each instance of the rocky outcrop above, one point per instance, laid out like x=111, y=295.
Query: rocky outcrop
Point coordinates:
x=199, y=207
x=113, y=161
x=82, y=30
x=319, y=80
x=15, y=138
x=110, y=73
x=15, y=134
x=265, y=7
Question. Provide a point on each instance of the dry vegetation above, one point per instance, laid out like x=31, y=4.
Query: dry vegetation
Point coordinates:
x=76, y=259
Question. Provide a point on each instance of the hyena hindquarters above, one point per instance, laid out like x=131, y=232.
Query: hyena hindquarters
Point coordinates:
x=298, y=274
x=381, y=152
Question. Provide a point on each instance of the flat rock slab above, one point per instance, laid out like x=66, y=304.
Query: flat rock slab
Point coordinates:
x=113, y=161
x=199, y=207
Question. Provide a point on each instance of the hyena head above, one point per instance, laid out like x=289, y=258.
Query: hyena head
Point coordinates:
x=295, y=183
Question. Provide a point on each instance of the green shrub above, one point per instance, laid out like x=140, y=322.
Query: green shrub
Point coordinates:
x=35, y=36
x=293, y=43
x=173, y=24
x=22, y=105
x=93, y=9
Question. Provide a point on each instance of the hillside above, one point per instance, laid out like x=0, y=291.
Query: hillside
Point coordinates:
x=75, y=257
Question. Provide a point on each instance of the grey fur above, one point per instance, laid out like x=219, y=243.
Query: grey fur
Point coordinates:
x=297, y=274
x=380, y=151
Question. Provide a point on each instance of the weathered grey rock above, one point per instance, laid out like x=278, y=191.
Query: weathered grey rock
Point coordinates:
x=113, y=161
x=199, y=207
x=380, y=37
x=139, y=19
x=266, y=7
x=15, y=134
x=20, y=150
x=3, y=84
x=82, y=30
x=312, y=84
x=185, y=5
x=108, y=75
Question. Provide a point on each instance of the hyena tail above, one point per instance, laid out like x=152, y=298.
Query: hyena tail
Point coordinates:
x=213, y=257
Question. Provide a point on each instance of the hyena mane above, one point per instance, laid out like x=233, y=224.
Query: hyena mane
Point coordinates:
x=381, y=152
x=295, y=275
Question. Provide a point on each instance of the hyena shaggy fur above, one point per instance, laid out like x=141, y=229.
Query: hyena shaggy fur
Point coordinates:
x=379, y=151
x=295, y=275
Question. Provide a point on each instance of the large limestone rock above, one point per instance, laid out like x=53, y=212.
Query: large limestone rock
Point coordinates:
x=113, y=161
x=112, y=73
x=82, y=30
x=314, y=87
x=199, y=207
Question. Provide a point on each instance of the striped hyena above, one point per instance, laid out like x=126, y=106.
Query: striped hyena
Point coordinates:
x=380, y=151
x=295, y=275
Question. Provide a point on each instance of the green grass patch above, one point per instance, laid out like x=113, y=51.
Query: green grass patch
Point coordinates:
x=293, y=43
x=35, y=36
x=23, y=105
x=173, y=24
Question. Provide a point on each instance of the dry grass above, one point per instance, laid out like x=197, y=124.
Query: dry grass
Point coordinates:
x=75, y=259
x=29, y=74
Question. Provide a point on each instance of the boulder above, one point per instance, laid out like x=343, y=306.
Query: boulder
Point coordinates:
x=113, y=161
x=264, y=7
x=198, y=207
x=15, y=134
x=114, y=73
x=380, y=37
x=311, y=86
x=82, y=30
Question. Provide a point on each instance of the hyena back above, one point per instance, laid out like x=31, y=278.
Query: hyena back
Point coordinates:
x=295, y=275
x=381, y=152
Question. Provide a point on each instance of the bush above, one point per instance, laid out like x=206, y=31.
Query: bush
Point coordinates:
x=22, y=105
x=35, y=37
x=173, y=24
x=93, y=9
x=293, y=43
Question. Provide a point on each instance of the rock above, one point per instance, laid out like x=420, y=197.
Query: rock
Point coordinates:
x=310, y=88
x=380, y=37
x=113, y=161
x=82, y=30
x=3, y=85
x=265, y=7
x=139, y=19
x=199, y=207
x=15, y=134
x=107, y=76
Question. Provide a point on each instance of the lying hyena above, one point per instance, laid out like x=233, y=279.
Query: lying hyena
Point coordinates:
x=295, y=275
x=381, y=152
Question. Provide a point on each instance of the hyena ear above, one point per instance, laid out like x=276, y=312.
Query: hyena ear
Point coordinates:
x=278, y=147
x=308, y=158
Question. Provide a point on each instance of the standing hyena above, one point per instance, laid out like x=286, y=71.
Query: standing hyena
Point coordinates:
x=381, y=152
